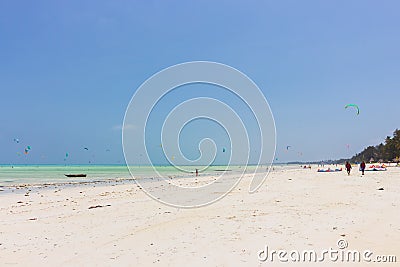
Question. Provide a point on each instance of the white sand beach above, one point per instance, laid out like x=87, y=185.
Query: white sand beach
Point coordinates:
x=116, y=224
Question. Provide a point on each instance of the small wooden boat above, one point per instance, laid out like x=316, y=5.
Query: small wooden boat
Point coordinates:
x=75, y=175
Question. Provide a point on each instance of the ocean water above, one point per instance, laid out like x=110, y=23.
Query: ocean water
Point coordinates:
x=39, y=174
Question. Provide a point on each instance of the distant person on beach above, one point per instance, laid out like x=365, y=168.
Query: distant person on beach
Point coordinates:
x=348, y=167
x=362, y=167
x=197, y=172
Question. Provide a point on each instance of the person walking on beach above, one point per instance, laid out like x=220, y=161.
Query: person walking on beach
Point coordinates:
x=362, y=167
x=348, y=167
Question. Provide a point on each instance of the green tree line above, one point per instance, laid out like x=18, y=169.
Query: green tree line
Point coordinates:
x=389, y=151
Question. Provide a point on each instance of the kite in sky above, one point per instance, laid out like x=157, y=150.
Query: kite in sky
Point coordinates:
x=354, y=106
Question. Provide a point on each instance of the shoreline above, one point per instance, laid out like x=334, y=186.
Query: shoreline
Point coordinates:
x=87, y=181
x=43, y=175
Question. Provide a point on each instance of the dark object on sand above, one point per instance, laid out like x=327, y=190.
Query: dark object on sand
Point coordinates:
x=381, y=188
x=99, y=206
x=75, y=175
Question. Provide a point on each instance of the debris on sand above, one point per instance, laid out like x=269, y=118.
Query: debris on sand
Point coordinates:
x=99, y=206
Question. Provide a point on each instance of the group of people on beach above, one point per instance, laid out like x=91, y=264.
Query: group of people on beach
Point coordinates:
x=348, y=167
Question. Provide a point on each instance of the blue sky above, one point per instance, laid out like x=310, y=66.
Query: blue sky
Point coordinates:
x=69, y=68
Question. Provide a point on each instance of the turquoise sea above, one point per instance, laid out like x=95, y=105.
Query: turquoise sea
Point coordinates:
x=40, y=174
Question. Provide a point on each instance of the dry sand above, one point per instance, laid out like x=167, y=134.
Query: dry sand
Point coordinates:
x=110, y=224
